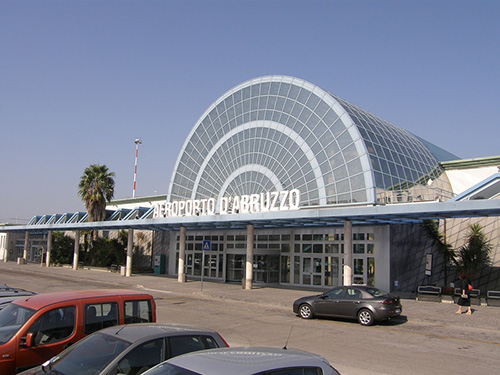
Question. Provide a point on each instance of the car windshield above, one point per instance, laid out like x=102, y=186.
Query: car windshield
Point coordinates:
x=169, y=369
x=12, y=317
x=89, y=356
x=377, y=292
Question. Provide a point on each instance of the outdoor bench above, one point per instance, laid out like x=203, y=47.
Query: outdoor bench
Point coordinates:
x=474, y=295
x=429, y=293
x=493, y=298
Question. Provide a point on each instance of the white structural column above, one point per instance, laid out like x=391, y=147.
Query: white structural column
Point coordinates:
x=49, y=248
x=347, y=252
x=26, y=244
x=181, y=275
x=130, y=249
x=5, y=248
x=76, y=250
x=249, y=261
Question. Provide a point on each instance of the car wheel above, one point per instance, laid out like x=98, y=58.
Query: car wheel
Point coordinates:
x=305, y=311
x=365, y=317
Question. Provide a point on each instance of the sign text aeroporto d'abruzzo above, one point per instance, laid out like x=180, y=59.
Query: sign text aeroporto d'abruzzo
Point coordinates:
x=244, y=204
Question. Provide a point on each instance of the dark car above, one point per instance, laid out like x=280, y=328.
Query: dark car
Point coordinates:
x=364, y=303
x=245, y=361
x=129, y=349
x=8, y=294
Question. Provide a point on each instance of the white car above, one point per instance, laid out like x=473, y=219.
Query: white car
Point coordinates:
x=245, y=361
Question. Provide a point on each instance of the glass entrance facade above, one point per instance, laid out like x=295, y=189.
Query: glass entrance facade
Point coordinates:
x=293, y=258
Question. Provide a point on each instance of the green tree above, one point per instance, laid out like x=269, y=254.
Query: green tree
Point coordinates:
x=108, y=252
x=96, y=187
x=431, y=227
x=62, y=248
x=475, y=253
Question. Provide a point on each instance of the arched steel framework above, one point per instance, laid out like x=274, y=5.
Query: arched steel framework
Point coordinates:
x=279, y=132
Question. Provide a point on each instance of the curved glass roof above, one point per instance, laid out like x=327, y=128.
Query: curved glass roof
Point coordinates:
x=281, y=133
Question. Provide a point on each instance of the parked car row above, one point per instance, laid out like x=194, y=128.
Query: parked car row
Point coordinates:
x=97, y=333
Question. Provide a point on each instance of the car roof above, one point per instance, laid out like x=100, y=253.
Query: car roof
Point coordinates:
x=139, y=331
x=41, y=300
x=246, y=361
x=7, y=291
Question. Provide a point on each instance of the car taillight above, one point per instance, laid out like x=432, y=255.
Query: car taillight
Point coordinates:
x=387, y=302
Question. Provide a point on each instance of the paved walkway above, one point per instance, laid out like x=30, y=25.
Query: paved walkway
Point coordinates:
x=281, y=297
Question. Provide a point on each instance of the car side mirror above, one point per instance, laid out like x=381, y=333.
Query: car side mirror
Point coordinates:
x=323, y=296
x=28, y=340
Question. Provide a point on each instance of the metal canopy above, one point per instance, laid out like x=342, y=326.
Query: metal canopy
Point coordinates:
x=304, y=218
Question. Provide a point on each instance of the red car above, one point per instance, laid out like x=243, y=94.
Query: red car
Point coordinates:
x=34, y=329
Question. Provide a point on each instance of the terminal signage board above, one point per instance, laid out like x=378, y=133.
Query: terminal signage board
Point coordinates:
x=253, y=203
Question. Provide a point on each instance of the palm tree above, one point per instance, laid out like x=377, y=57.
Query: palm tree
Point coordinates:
x=475, y=254
x=97, y=187
x=439, y=242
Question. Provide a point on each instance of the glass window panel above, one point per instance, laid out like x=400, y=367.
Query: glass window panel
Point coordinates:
x=285, y=87
x=318, y=248
x=294, y=92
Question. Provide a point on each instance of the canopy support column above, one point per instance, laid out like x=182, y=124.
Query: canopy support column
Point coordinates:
x=76, y=250
x=130, y=249
x=249, y=261
x=26, y=244
x=181, y=275
x=49, y=248
x=347, y=252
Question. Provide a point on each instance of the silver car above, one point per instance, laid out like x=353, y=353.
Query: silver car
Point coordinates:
x=245, y=361
x=129, y=349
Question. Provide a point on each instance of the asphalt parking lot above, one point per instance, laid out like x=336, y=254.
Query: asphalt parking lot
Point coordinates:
x=483, y=317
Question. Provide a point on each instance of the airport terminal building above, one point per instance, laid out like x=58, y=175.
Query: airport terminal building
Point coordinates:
x=305, y=183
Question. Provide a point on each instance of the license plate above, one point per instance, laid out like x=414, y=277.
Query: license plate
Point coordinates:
x=397, y=311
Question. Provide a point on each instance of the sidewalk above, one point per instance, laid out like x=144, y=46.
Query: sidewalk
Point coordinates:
x=441, y=314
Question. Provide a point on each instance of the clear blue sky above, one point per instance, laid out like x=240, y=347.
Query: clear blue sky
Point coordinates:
x=81, y=80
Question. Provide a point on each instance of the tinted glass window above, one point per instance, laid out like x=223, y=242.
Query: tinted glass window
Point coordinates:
x=334, y=293
x=95, y=352
x=100, y=315
x=141, y=358
x=352, y=293
x=55, y=325
x=377, y=292
x=12, y=317
x=184, y=344
x=138, y=312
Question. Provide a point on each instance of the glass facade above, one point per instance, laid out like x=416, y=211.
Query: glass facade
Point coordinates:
x=281, y=133
x=298, y=257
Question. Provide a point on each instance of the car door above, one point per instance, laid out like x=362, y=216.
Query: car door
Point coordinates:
x=50, y=334
x=349, y=302
x=327, y=303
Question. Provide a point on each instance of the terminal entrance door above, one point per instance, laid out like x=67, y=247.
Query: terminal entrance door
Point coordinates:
x=265, y=268
x=321, y=270
x=364, y=270
x=235, y=267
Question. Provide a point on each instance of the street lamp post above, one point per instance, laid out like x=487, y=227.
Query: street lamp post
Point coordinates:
x=137, y=143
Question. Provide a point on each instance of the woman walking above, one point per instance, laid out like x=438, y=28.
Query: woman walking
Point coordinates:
x=464, y=299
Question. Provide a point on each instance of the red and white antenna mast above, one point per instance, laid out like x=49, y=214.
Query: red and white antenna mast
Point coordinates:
x=137, y=143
